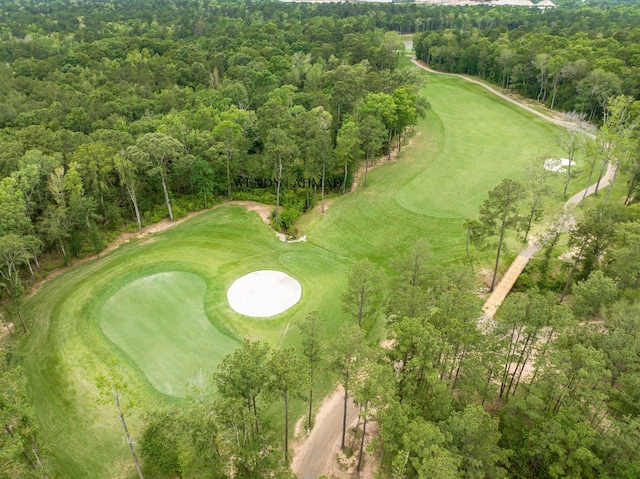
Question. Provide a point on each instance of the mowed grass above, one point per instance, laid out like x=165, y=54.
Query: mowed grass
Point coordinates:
x=158, y=305
x=484, y=141
x=160, y=324
x=469, y=141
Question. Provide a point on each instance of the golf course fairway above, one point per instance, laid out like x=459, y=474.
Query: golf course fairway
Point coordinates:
x=158, y=305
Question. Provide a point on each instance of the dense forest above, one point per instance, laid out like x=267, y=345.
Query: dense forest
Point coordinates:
x=569, y=60
x=118, y=114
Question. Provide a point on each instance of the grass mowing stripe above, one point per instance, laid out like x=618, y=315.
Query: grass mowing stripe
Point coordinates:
x=402, y=202
x=485, y=141
x=159, y=322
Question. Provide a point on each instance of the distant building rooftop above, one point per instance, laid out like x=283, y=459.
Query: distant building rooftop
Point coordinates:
x=545, y=4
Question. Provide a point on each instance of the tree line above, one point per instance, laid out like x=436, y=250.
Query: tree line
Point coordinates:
x=570, y=59
x=111, y=118
x=548, y=390
x=129, y=114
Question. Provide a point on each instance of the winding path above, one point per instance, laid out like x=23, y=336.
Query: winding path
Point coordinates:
x=313, y=456
x=502, y=289
x=557, y=121
x=500, y=292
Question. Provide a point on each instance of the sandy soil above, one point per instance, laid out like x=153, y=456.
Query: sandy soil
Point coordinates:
x=264, y=211
x=4, y=333
x=262, y=294
x=557, y=165
x=318, y=452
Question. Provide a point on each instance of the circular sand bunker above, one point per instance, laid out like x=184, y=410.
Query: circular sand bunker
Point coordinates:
x=558, y=164
x=263, y=294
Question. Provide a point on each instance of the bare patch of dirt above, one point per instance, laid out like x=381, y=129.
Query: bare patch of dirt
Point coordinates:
x=317, y=452
x=300, y=432
x=344, y=467
x=263, y=210
x=485, y=275
x=568, y=256
x=314, y=451
x=4, y=332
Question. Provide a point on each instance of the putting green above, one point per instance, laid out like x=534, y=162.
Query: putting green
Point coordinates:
x=485, y=140
x=159, y=322
x=160, y=304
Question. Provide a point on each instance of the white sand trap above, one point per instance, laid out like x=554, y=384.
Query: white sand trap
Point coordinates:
x=263, y=294
x=557, y=164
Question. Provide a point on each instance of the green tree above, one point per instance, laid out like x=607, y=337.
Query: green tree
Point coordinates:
x=348, y=146
x=595, y=90
x=420, y=449
x=456, y=309
x=159, y=442
x=203, y=179
x=242, y=375
x=281, y=149
x=249, y=454
x=344, y=356
x=129, y=164
x=347, y=84
x=474, y=437
x=81, y=211
x=616, y=132
x=561, y=410
x=312, y=328
x=591, y=237
x=416, y=345
x=34, y=171
x=541, y=62
x=469, y=225
x=371, y=391
x=618, y=444
x=95, y=164
x=408, y=110
x=571, y=140
x=362, y=299
x=521, y=319
x=409, y=296
x=373, y=132
x=621, y=344
x=593, y=294
x=20, y=454
x=13, y=254
x=538, y=187
x=114, y=389
x=593, y=154
x=621, y=257
x=286, y=379
x=500, y=212
x=313, y=134
x=162, y=150
x=230, y=142
x=13, y=218
x=382, y=107
x=201, y=450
